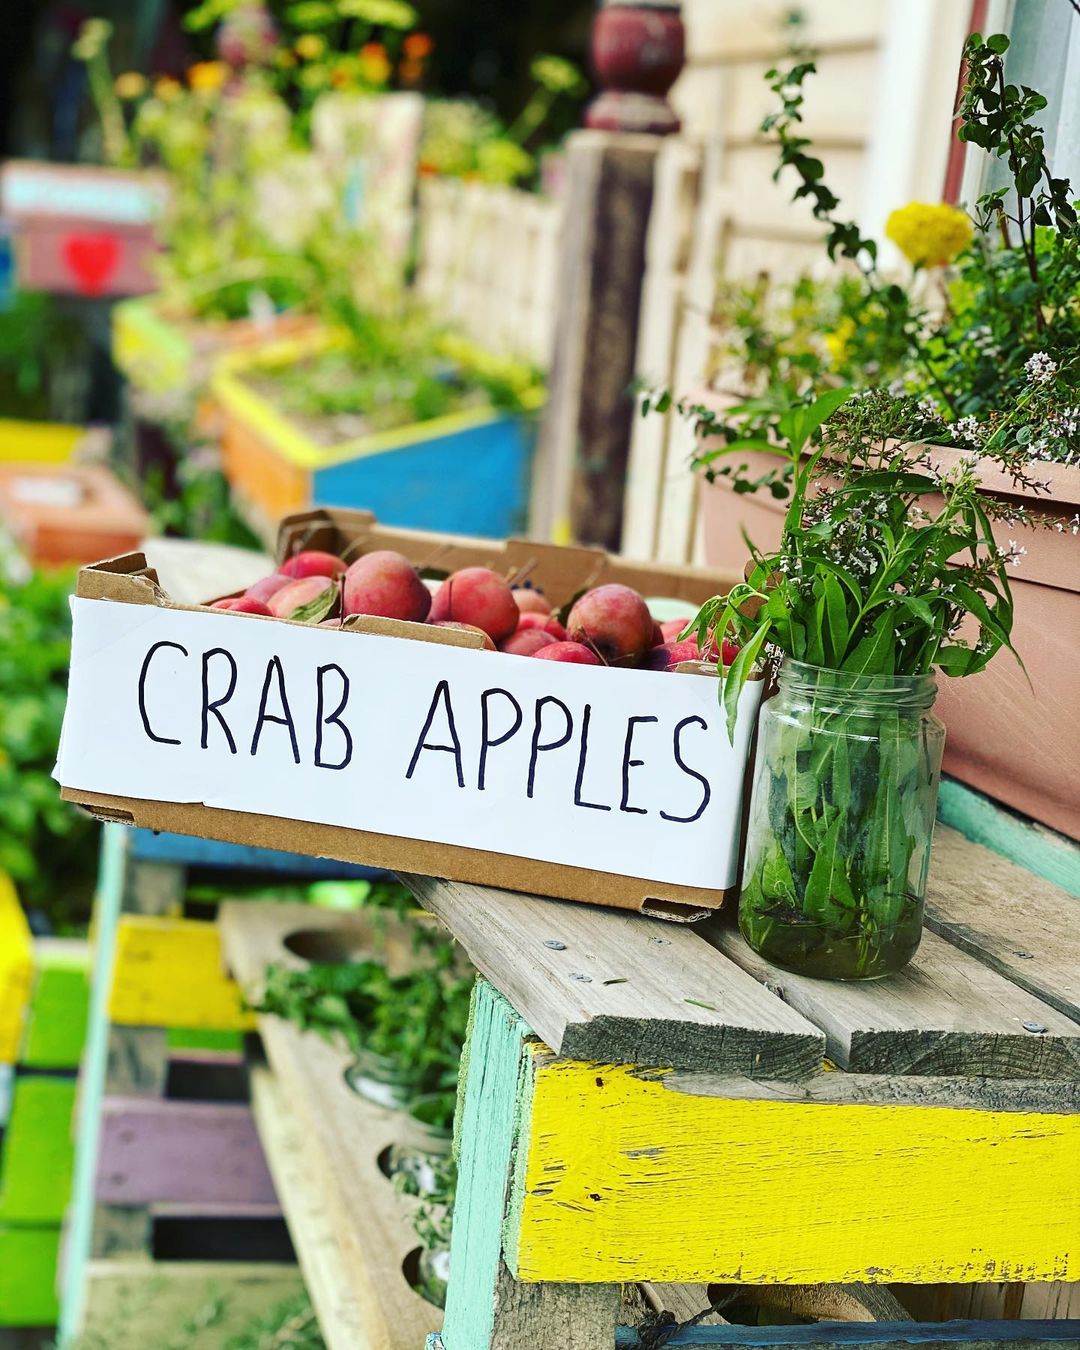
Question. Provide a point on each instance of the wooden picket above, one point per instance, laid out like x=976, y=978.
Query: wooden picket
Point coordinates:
x=488, y=258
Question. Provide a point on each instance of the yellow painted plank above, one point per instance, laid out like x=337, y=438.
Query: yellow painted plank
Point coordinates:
x=16, y=970
x=169, y=973
x=626, y=1179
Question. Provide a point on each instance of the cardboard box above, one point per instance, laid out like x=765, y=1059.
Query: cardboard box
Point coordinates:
x=397, y=745
x=68, y=513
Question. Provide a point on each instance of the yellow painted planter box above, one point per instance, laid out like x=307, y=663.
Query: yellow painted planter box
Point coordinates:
x=16, y=970
x=37, y=442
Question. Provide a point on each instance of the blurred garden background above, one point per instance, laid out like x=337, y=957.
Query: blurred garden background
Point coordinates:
x=432, y=259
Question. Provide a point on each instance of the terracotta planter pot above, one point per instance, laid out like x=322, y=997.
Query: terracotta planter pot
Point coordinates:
x=1017, y=742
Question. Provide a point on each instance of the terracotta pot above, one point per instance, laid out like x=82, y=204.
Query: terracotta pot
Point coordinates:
x=638, y=50
x=1015, y=741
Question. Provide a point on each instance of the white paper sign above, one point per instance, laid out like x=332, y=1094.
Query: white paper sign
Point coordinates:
x=622, y=771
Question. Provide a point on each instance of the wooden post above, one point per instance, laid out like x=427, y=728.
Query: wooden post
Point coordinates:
x=638, y=50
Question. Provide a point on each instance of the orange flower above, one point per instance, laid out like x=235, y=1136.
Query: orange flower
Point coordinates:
x=417, y=45
x=411, y=72
x=207, y=76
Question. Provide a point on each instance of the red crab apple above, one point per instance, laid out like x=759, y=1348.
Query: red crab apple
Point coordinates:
x=671, y=628
x=489, y=646
x=387, y=584
x=546, y=623
x=478, y=596
x=530, y=601
x=729, y=651
x=669, y=654
x=312, y=562
x=614, y=620
x=526, y=642
x=573, y=653
x=264, y=588
x=242, y=604
x=299, y=592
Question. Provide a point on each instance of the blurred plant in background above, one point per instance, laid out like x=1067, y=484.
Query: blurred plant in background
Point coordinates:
x=46, y=846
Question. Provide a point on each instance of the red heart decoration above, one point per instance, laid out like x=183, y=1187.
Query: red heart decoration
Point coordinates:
x=92, y=259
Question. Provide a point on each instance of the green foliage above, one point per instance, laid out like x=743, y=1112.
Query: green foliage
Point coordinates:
x=40, y=346
x=866, y=578
x=417, y=1020
x=996, y=353
x=47, y=846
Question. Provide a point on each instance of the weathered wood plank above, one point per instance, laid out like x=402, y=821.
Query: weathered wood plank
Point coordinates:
x=946, y=1013
x=186, y=1152
x=343, y=1136
x=16, y=970
x=27, y=1275
x=827, y=1302
x=131, y=1301
x=888, y=1336
x=138, y=1060
x=619, y=1177
x=168, y=973
x=1021, y=925
x=613, y=986
x=56, y=1024
x=324, y=1258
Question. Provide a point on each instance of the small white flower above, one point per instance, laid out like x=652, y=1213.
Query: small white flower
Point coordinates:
x=1040, y=367
x=927, y=407
x=968, y=429
x=1014, y=554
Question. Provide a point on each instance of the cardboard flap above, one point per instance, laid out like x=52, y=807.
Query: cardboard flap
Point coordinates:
x=321, y=528
x=126, y=577
x=553, y=567
x=418, y=632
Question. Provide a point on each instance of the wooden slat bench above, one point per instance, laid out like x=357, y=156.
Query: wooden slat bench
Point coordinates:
x=650, y=1103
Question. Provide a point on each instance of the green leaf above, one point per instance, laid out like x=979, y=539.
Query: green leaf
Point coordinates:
x=829, y=898
x=836, y=620
x=318, y=609
x=738, y=673
x=874, y=654
x=998, y=43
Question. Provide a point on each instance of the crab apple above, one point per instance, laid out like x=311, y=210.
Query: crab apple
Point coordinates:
x=530, y=601
x=299, y=592
x=668, y=656
x=728, y=652
x=243, y=604
x=478, y=596
x=489, y=646
x=526, y=642
x=657, y=639
x=387, y=584
x=573, y=653
x=265, y=587
x=614, y=620
x=671, y=628
x=312, y=562
x=545, y=623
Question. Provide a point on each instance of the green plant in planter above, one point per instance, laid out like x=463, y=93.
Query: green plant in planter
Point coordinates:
x=416, y=1020
x=986, y=331
x=887, y=572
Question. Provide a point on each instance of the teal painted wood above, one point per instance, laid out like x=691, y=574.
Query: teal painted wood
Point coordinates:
x=110, y=890
x=1063, y=1333
x=486, y=1130
x=1040, y=850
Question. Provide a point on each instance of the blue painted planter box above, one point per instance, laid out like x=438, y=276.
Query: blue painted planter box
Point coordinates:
x=465, y=473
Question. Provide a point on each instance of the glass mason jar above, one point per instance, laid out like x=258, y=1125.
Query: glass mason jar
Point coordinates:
x=841, y=819
x=380, y=1080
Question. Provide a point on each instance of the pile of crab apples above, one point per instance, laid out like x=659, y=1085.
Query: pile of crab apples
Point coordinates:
x=609, y=625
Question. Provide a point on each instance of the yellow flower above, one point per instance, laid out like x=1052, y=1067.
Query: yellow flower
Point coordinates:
x=167, y=89
x=836, y=342
x=374, y=65
x=929, y=235
x=130, y=85
x=310, y=46
x=284, y=58
x=207, y=76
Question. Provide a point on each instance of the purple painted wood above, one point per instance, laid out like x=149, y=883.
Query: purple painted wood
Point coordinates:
x=186, y=1153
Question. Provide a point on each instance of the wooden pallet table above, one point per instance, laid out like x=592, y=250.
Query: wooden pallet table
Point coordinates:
x=350, y=1228
x=651, y=1103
